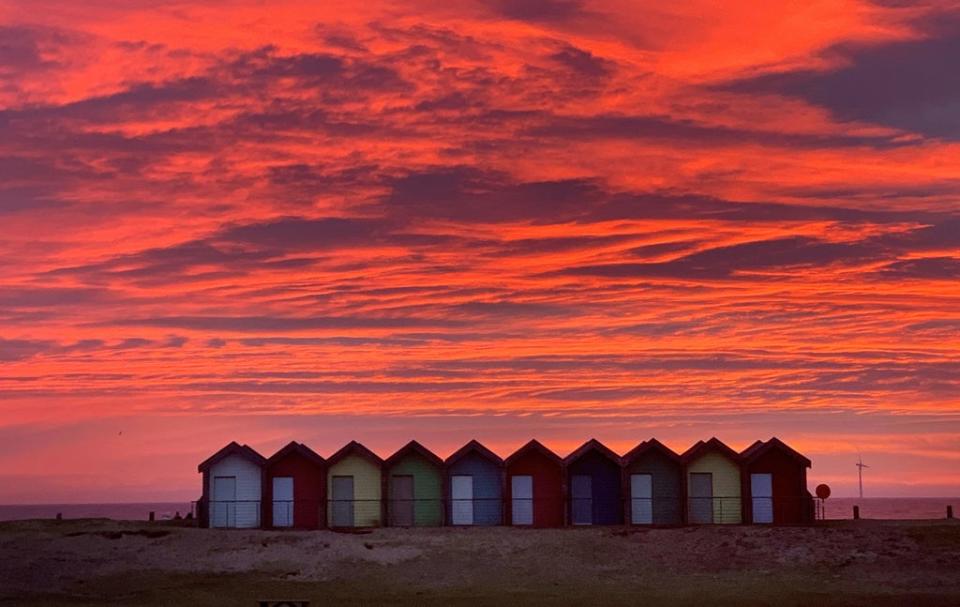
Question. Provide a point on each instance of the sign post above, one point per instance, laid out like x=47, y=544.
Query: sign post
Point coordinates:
x=823, y=492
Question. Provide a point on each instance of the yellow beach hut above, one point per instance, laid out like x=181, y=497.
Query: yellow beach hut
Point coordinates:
x=354, y=477
x=712, y=473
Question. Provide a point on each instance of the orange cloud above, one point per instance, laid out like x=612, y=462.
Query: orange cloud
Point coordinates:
x=547, y=218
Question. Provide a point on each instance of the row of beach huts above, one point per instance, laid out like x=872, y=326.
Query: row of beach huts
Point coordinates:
x=650, y=485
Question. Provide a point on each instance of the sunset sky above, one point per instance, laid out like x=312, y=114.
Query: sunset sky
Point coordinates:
x=322, y=221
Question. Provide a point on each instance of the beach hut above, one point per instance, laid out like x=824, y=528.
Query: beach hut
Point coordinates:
x=232, y=482
x=294, y=489
x=414, y=487
x=534, y=486
x=653, y=481
x=354, y=487
x=593, y=482
x=775, y=484
x=712, y=483
x=474, y=477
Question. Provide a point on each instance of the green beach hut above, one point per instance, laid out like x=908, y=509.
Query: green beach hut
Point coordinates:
x=414, y=487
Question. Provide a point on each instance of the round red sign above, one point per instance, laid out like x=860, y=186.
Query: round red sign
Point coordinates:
x=823, y=491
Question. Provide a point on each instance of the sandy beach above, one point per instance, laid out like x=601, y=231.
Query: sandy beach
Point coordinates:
x=100, y=562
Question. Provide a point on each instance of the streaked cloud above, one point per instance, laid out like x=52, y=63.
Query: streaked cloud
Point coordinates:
x=550, y=218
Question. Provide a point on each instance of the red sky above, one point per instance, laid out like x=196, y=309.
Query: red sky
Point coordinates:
x=267, y=221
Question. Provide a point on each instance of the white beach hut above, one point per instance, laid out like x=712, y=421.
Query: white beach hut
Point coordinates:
x=232, y=487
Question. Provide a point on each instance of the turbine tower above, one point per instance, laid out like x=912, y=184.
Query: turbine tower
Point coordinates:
x=860, y=467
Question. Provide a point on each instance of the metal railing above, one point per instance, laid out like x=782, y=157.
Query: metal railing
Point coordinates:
x=592, y=511
x=352, y=513
x=779, y=510
x=228, y=514
x=714, y=510
x=480, y=511
x=415, y=512
x=295, y=513
x=654, y=510
x=476, y=511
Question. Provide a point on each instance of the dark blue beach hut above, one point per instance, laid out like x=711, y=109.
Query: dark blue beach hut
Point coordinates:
x=593, y=485
x=474, y=484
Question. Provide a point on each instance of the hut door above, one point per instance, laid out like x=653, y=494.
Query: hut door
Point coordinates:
x=342, y=497
x=283, y=501
x=641, y=499
x=461, y=490
x=521, y=488
x=401, y=500
x=701, y=497
x=224, y=501
x=761, y=489
x=582, y=499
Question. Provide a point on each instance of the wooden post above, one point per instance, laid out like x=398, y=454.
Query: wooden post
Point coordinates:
x=949, y=511
x=59, y=516
x=151, y=516
x=856, y=513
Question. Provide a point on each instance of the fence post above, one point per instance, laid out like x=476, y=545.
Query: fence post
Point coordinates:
x=151, y=517
x=856, y=513
x=949, y=511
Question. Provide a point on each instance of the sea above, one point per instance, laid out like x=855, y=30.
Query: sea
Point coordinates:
x=835, y=508
x=119, y=512
x=902, y=508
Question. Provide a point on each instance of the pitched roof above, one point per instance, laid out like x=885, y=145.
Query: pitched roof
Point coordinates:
x=233, y=448
x=355, y=448
x=293, y=447
x=646, y=447
x=533, y=445
x=702, y=448
x=757, y=449
x=592, y=445
x=473, y=446
x=413, y=447
x=751, y=449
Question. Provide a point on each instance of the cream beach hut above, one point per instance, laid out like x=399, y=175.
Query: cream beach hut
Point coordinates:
x=354, y=487
x=712, y=474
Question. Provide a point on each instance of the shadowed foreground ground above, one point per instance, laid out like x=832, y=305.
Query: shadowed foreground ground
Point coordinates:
x=97, y=562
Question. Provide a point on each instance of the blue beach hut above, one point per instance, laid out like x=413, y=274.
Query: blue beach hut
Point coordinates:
x=474, y=484
x=593, y=481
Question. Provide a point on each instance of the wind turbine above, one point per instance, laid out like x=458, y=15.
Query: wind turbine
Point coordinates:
x=860, y=467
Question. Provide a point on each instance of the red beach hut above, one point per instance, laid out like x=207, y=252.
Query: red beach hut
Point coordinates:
x=775, y=484
x=294, y=489
x=534, y=490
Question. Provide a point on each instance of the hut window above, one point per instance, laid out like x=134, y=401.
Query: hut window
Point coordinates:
x=761, y=490
x=521, y=489
x=283, y=501
x=461, y=491
x=641, y=499
x=701, y=497
x=224, y=501
x=582, y=499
